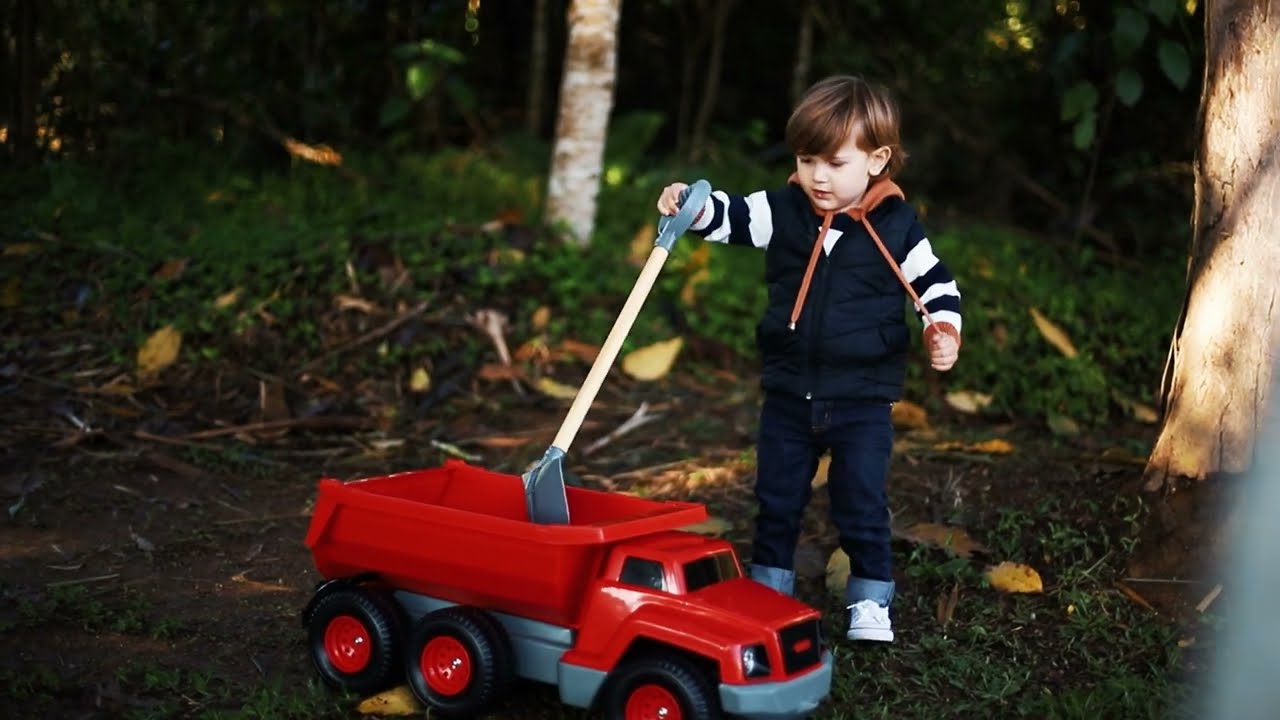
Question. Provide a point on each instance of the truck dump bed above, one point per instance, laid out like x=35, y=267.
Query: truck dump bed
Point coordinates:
x=462, y=533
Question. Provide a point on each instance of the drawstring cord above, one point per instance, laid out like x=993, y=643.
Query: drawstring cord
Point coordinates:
x=808, y=272
x=860, y=214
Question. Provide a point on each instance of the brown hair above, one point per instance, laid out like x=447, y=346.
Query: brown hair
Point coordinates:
x=843, y=105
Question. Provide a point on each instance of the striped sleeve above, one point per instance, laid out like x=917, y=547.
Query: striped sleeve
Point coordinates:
x=931, y=280
x=736, y=219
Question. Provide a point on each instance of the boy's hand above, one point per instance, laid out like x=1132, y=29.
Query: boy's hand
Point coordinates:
x=669, y=200
x=944, y=350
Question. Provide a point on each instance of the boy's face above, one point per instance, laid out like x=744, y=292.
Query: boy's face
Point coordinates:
x=837, y=182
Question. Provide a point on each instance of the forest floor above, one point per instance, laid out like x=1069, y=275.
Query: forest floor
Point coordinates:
x=152, y=560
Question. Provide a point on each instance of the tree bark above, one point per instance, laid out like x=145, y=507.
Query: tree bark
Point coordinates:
x=804, y=52
x=1218, y=375
x=586, y=100
x=537, y=68
x=719, y=16
x=23, y=133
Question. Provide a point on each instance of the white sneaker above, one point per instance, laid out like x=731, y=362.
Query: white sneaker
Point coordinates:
x=869, y=620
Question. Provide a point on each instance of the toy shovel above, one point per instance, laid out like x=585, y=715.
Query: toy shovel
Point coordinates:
x=544, y=483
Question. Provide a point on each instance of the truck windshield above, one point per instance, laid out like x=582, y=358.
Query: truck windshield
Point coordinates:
x=709, y=570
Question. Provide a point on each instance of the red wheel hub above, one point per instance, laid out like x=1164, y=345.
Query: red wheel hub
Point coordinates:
x=445, y=665
x=652, y=702
x=346, y=643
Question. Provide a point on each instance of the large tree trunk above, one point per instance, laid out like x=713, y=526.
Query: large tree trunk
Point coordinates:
x=1222, y=358
x=586, y=100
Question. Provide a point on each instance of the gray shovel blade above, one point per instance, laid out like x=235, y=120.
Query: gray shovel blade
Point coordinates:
x=544, y=489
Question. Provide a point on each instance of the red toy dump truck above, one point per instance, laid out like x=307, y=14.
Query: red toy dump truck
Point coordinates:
x=437, y=577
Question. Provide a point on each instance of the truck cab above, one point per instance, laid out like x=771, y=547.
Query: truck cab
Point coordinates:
x=686, y=594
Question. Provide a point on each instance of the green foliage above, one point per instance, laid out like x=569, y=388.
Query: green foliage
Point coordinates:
x=289, y=243
x=1121, y=337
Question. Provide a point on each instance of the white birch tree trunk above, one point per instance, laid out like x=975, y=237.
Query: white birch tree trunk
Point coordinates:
x=1222, y=359
x=586, y=100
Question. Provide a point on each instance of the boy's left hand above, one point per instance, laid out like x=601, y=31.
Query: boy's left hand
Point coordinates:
x=944, y=350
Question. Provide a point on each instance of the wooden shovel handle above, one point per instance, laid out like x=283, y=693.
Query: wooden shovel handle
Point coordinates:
x=612, y=344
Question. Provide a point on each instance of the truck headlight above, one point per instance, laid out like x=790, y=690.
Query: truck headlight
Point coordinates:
x=755, y=661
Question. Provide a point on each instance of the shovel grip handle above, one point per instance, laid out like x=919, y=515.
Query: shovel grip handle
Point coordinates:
x=692, y=200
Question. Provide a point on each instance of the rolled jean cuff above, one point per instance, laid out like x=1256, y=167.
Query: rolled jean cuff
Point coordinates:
x=859, y=589
x=784, y=581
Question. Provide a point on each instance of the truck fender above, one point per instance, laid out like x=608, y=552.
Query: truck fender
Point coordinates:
x=325, y=587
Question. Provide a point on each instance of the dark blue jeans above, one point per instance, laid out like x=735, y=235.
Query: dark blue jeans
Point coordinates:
x=794, y=433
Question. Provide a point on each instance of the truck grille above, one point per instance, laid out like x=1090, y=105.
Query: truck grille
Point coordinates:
x=801, y=646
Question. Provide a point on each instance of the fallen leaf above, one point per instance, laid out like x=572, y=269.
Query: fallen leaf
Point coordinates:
x=642, y=244
x=837, y=572
x=551, y=388
x=11, y=296
x=1055, y=335
x=994, y=446
x=541, y=317
x=909, y=416
x=397, y=701
x=968, y=401
x=652, y=361
x=272, y=403
x=159, y=351
x=1137, y=410
x=22, y=248
x=498, y=371
x=1062, y=425
x=713, y=525
x=499, y=441
x=582, y=351
x=989, y=447
x=419, y=381
x=820, y=476
x=1014, y=577
x=948, y=537
x=689, y=293
x=947, y=605
x=227, y=299
x=171, y=270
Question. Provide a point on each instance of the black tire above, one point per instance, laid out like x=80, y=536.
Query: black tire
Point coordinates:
x=641, y=688
x=355, y=639
x=459, y=662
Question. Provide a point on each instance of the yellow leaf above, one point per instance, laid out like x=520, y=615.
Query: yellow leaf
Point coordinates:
x=909, y=415
x=159, y=351
x=227, y=298
x=1015, y=578
x=541, y=317
x=11, y=296
x=22, y=248
x=653, y=361
x=1062, y=425
x=820, y=477
x=1055, y=335
x=837, y=572
x=994, y=446
x=711, y=526
x=551, y=388
x=1138, y=411
x=689, y=293
x=953, y=539
x=420, y=381
x=398, y=700
x=968, y=401
x=642, y=244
